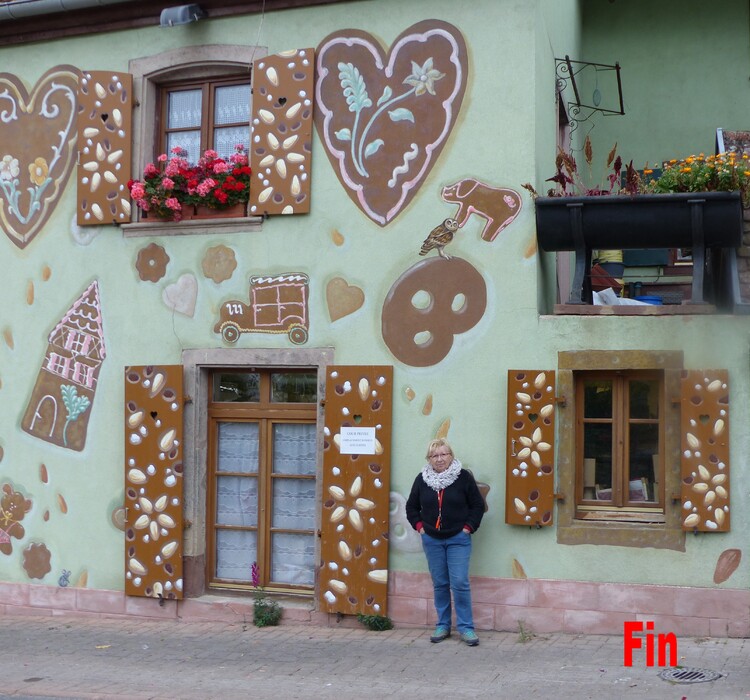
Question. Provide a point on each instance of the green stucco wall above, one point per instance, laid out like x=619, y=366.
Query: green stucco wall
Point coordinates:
x=505, y=130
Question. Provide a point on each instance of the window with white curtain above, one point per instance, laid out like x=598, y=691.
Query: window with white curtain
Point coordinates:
x=214, y=114
x=262, y=469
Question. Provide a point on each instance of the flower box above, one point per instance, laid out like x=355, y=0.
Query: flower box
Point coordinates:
x=173, y=189
x=708, y=222
x=236, y=211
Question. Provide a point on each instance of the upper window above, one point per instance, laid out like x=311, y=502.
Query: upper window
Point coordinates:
x=619, y=430
x=197, y=98
x=213, y=114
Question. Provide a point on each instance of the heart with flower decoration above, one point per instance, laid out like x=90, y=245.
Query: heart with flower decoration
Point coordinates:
x=384, y=118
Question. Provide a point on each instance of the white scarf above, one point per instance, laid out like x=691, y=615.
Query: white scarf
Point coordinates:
x=438, y=481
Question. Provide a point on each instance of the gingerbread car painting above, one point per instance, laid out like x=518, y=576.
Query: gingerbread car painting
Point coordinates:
x=277, y=305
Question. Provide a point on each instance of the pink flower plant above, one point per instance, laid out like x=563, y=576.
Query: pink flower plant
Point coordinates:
x=172, y=184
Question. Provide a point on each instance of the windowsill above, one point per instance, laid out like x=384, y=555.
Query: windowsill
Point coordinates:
x=191, y=227
x=622, y=517
x=647, y=310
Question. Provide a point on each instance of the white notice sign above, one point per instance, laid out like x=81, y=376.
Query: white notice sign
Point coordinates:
x=357, y=441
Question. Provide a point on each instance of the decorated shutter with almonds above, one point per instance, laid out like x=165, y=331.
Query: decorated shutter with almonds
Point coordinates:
x=530, y=449
x=104, y=133
x=281, y=139
x=705, y=450
x=356, y=485
x=153, y=481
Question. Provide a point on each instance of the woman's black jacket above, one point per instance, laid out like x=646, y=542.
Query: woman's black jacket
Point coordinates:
x=462, y=505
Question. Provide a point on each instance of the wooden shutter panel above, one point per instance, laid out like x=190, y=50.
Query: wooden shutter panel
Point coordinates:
x=281, y=139
x=153, y=481
x=704, y=466
x=530, y=449
x=104, y=153
x=355, y=513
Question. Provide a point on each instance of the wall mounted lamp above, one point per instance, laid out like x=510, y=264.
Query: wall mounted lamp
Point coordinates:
x=182, y=14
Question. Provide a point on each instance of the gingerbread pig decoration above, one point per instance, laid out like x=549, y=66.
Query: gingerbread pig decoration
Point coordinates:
x=497, y=205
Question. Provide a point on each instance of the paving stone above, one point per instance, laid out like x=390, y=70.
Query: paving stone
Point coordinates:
x=131, y=659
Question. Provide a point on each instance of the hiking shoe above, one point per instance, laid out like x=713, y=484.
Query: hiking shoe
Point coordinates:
x=470, y=638
x=441, y=633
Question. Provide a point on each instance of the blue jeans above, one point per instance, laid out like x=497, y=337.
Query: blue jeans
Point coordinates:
x=448, y=561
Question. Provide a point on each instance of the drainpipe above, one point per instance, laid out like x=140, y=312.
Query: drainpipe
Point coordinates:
x=19, y=9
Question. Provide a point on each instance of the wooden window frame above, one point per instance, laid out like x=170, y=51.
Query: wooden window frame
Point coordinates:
x=619, y=508
x=150, y=74
x=198, y=364
x=266, y=414
x=620, y=532
x=208, y=88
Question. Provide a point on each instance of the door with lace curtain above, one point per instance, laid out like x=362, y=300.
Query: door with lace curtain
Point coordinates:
x=261, y=478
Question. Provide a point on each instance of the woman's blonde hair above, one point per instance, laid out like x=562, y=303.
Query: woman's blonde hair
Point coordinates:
x=436, y=443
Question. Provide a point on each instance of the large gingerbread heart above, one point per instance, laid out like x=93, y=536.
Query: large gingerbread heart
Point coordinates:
x=384, y=119
x=37, y=149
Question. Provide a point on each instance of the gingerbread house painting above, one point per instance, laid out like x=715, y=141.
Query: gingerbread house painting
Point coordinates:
x=61, y=401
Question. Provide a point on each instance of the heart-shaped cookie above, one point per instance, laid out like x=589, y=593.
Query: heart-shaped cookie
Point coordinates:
x=37, y=149
x=182, y=295
x=384, y=119
x=343, y=298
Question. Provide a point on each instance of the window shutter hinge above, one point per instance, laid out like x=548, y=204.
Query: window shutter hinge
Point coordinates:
x=559, y=496
x=187, y=399
x=560, y=401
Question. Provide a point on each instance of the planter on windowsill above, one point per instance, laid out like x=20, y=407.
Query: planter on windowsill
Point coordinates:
x=235, y=211
x=708, y=222
x=199, y=211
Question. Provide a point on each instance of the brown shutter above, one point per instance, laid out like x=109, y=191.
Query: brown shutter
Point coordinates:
x=354, y=524
x=530, y=449
x=104, y=151
x=281, y=141
x=705, y=450
x=153, y=481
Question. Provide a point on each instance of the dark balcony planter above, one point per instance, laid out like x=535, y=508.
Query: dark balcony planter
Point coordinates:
x=708, y=222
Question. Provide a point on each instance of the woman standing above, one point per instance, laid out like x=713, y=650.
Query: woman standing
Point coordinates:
x=446, y=508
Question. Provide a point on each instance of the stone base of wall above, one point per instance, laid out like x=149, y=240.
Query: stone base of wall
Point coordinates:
x=579, y=607
x=508, y=605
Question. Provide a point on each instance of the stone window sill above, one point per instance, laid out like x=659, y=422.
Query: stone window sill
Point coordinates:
x=193, y=227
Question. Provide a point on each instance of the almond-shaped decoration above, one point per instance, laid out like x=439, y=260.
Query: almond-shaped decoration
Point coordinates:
x=378, y=575
x=167, y=440
x=169, y=549
x=356, y=520
x=363, y=388
x=345, y=551
x=339, y=513
x=337, y=492
x=141, y=522
x=692, y=520
x=356, y=487
x=384, y=118
x=338, y=586
x=136, y=567
x=136, y=476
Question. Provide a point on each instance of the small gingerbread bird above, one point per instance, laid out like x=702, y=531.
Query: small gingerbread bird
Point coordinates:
x=440, y=237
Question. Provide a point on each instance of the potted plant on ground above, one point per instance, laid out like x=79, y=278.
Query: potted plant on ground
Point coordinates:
x=695, y=203
x=172, y=189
